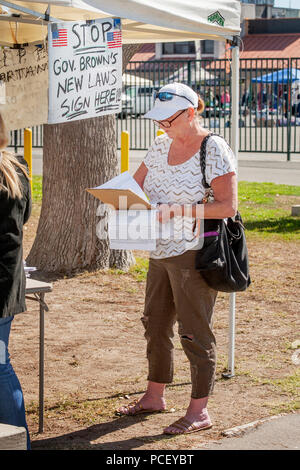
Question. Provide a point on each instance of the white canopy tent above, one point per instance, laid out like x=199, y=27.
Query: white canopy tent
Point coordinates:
x=143, y=21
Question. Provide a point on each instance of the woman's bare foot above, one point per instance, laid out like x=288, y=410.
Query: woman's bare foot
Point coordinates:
x=189, y=424
x=195, y=419
x=147, y=404
x=153, y=401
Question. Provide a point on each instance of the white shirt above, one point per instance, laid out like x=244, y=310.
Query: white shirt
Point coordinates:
x=182, y=184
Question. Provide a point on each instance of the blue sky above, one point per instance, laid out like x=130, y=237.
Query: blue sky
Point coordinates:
x=287, y=3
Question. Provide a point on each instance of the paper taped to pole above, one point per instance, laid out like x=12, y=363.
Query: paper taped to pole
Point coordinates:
x=24, y=76
x=85, y=69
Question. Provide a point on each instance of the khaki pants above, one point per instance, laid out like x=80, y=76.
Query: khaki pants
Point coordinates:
x=176, y=291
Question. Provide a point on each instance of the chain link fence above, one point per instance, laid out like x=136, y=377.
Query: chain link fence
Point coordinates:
x=269, y=105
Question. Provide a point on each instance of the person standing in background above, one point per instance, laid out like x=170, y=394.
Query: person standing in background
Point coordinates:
x=15, y=208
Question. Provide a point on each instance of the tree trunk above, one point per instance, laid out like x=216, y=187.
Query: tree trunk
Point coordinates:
x=72, y=230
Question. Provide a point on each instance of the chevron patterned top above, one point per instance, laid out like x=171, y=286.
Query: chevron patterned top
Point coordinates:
x=182, y=184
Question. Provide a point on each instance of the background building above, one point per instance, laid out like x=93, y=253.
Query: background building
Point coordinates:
x=267, y=9
x=252, y=11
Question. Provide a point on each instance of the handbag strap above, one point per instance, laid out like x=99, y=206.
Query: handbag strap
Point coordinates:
x=203, y=158
x=237, y=218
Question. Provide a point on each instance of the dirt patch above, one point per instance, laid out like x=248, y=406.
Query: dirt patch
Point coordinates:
x=95, y=357
x=287, y=202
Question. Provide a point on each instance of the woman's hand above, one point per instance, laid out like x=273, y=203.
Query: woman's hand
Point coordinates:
x=168, y=211
x=164, y=214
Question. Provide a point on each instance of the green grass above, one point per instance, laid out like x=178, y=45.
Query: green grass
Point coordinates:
x=85, y=412
x=265, y=193
x=286, y=385
x=265, y=209
x=37, y=189
x=140, y=269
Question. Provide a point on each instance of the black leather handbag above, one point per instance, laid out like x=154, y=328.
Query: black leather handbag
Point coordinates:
x=223, y=258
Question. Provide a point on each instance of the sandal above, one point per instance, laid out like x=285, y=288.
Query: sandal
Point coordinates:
x=134, y=408
x=185, y=427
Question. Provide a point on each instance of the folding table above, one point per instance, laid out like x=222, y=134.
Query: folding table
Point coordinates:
x=38, y=289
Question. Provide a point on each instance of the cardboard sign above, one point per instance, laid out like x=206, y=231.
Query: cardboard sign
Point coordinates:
x=24, y=86
x=85, y=69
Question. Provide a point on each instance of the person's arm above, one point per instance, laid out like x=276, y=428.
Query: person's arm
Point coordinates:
x=224, y=205
x=141, y=174
x=27, y=196
x=26, y=189
x=225, y=197
x=28, y=207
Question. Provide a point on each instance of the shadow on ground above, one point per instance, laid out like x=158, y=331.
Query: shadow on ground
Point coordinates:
x=86, y=438
x=278, y=225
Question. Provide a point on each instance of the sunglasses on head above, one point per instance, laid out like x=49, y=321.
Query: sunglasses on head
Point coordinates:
x=168, y=96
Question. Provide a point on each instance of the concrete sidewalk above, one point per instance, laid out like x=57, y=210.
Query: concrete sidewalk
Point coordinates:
x=260, y=168
x=269, y=168
x=276, y=433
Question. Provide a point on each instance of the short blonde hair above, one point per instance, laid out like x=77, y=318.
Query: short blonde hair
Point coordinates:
x=10, y=182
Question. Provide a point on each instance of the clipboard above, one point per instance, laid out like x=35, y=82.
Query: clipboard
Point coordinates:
x=120, y=199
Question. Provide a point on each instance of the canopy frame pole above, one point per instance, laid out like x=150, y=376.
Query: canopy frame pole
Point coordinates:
x=36, y=14
x=21, y=19
x=235, y=148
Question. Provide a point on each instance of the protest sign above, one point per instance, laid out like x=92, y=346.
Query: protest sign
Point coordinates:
x=24, y=84
x=85, y=69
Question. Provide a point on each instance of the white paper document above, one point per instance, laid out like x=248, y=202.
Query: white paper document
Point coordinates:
x=125, y=181
x=122, y=193
x=132, y=223
x=133, y=230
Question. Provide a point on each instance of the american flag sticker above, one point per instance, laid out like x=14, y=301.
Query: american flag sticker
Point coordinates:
x=114, y=39
x=59, y=38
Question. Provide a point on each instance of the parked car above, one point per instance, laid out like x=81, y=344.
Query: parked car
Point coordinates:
x=126, y=106
x=142, y=98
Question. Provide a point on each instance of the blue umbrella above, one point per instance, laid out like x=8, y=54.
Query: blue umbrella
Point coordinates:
x=279, y=76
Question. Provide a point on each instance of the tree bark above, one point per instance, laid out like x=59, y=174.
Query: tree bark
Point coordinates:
x=72, y=230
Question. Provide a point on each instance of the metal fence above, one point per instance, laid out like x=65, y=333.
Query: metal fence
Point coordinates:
x=269, y=105
x=17, y=138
